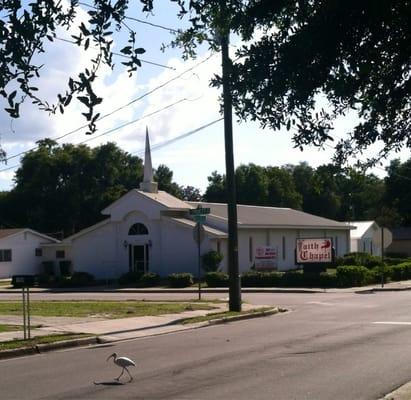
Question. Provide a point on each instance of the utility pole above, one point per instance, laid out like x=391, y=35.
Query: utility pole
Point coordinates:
x=233, y=270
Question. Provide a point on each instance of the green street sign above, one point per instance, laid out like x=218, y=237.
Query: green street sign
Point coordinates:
x=199, y=218
x=199, y=211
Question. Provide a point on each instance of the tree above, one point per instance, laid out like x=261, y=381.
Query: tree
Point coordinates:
x=190, y=193
x=26, y=27
x=64, y=188
x=353, y=55
x=216, y=191
x=398, y=189
x=164, y=177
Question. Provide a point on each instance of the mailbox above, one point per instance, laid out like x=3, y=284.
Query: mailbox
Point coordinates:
x=20, y=281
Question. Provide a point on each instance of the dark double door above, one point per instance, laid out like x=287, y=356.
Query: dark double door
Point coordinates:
x=138, y=258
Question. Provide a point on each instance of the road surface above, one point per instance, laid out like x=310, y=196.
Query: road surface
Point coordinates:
x=329, y=346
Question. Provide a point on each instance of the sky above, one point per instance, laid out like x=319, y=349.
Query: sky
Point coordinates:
x=180, y=101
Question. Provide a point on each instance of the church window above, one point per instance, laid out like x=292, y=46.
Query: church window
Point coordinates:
x=138, y=229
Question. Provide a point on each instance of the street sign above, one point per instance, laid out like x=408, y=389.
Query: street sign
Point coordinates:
x=198, y=233
x=199, y=211
x=199, y=218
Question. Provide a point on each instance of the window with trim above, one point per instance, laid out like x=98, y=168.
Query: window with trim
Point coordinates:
x=138, y=229
x=60, y=254
x=5, y=255
x=38, y=252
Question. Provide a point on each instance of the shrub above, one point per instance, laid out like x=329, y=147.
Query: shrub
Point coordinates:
x=293, y=279
x=48, y=267
x=130, y=278
x=45, y=279
x=401, y=271
x=261, y=279
x=359, y=259
x=396, y=255
x=354, y=275
x=327, y=280
x=149, y=279
x=250, y=279
x=211, y=261
x=81, y=278
x=180, y=280
x=395, y=261
x=65, y=268
x=216, y=279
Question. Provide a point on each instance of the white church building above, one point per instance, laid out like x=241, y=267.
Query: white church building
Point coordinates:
x=151, y=230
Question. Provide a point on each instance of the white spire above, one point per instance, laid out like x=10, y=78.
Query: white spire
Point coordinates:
x=148, y=184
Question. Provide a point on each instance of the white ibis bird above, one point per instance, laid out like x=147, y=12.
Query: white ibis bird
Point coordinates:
x=122, y=362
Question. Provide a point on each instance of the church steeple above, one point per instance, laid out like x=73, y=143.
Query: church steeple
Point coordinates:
x=148, y=184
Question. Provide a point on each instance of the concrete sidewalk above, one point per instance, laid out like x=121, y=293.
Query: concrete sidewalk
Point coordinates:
x=109, y=330
x=391, y=286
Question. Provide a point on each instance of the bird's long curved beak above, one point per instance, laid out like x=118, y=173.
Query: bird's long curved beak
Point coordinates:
x=108, y=358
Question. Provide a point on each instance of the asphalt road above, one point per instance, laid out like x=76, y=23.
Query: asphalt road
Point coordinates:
x=329, y=346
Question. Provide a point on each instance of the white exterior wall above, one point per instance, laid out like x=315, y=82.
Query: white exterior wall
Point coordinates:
x=284, y=241
x=179, y=252
x=23, y=258
x=95, y=252
x=370, y=242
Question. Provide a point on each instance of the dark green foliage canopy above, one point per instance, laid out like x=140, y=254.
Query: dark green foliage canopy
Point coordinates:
x=64, y=188
x=305, y=63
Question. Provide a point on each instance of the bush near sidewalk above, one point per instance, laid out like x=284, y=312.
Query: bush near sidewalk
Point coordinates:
x=216, y=279
x=180, y=280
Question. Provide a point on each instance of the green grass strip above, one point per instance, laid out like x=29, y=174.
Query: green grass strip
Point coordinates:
x=222, y=315
x=20, y=343
x=10, y=328
x=106, y=309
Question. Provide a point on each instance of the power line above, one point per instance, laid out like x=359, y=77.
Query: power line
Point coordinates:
x=122, y=55
x=158, y=145
x=138, y=20
x=133, y=121
x=115, y=110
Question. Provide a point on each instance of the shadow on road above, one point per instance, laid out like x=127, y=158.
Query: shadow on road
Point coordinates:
x=109, y=383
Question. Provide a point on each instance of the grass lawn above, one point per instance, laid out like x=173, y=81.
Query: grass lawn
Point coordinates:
x=106, y=309
x=17, y=344
x=10, y=328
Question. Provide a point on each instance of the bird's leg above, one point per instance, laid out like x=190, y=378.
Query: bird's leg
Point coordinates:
x=118, y=378
x=131, y=378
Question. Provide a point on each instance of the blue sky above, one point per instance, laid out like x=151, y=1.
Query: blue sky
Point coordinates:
x=178, y=107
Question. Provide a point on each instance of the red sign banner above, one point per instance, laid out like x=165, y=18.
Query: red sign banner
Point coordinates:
x=314, y=251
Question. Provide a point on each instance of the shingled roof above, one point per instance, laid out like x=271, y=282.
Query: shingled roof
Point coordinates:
x=8, y=232
x=258, y=216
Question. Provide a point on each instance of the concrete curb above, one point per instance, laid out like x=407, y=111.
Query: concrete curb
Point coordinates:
x=42, y=348
x=402, y=393
x=156, y=291
x=250, y=315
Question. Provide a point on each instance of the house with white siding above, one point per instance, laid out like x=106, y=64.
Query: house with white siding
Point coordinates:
x=369, y=237
x=21, y=251
x=151, y=230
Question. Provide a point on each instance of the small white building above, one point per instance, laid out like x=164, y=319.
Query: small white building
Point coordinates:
x=21, y=251
x=150, y=230
x=368, y=237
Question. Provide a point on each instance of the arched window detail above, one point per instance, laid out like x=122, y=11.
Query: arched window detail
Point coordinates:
x=138, y=229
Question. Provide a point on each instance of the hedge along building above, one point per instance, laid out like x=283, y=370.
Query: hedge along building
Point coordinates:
x=151, y=230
